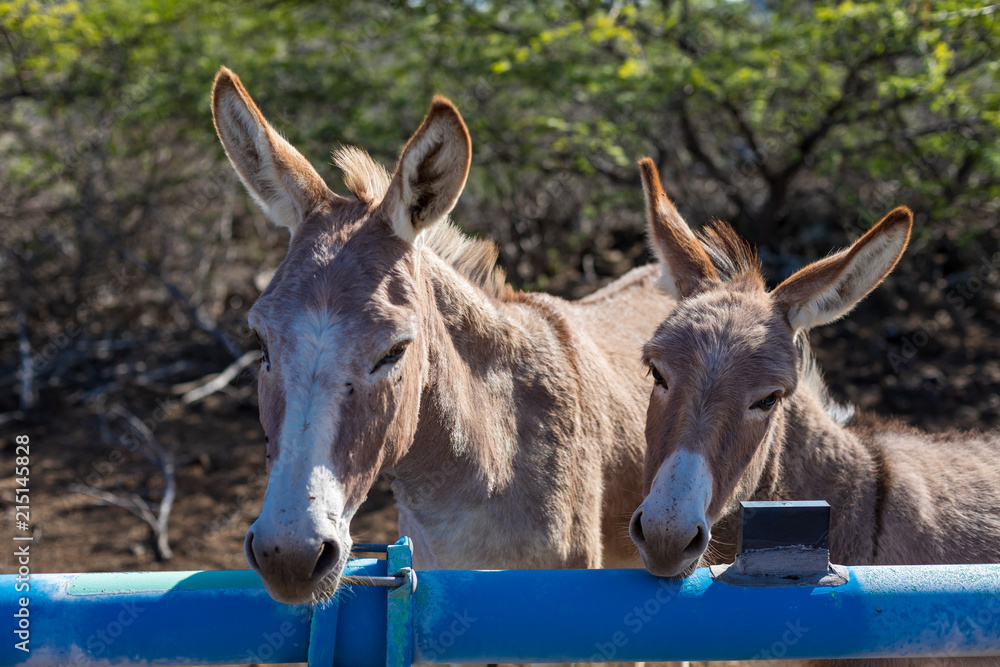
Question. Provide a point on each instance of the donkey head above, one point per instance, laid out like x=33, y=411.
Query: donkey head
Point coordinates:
x=723, y=363
x=344, y=347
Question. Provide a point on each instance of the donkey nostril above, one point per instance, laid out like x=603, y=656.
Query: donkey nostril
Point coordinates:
x=248, y=550
x=698, y=544
x=329, y=555
x=635, y=528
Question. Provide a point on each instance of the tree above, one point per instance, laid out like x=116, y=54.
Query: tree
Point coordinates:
x=795, y=120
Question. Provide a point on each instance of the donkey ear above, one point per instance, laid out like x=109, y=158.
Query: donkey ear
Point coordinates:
x=431, y=172
x=686, y=265
x=828, y=289
x=281, y=181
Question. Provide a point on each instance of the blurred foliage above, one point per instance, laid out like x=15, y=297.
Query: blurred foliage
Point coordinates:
x=802, y=122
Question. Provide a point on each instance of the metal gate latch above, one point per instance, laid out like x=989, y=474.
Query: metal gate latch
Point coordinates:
x=400, y=582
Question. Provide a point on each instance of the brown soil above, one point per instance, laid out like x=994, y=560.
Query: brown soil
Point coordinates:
x=220, y=490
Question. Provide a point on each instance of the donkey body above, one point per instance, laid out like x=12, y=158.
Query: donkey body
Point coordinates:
x=739, y=412
x=391, y=345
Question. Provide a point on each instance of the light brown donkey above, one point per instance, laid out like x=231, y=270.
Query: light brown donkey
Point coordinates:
x=391, y=344
x=739, y=412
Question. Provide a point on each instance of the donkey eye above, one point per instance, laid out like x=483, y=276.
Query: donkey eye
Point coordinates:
x=394, y=355
x=264, y=361
x=766, y=404
x=657, y=378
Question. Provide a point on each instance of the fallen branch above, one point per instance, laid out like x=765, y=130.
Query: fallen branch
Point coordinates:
x=133, y=502
x=48, y=372
x=165, y=459
x=152, y=451
x=214, y=383
x=27, y=379
x=15, y=415
x=146, y=380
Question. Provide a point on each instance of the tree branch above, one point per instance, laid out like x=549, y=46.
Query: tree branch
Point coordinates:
x=694, y=147
x=747, y=133
x=833, y=116
x=152, y=451
x=201, y=320
x=27, y=379
x=218, y=382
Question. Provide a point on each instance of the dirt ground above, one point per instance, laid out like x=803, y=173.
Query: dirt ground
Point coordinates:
x=220, y=491
x=920, y=358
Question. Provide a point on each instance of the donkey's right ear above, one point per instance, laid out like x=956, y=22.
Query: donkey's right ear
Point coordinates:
x=686, y=265
x=282, y=182
x=431, y=172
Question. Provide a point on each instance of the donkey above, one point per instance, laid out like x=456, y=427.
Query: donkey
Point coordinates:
x=739, y=412
x=390, y=344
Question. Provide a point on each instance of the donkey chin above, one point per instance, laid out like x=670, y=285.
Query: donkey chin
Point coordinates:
x=665, y=553
x=297, y=568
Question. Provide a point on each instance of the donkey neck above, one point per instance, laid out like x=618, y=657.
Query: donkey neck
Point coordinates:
x=499, y=394
x=812, y=457
x=822, y=460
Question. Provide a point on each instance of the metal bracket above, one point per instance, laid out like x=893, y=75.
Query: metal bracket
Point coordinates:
x=399, y=627
x=323, y=633
x=390, y=580
x=400, y=579
x=783, y=543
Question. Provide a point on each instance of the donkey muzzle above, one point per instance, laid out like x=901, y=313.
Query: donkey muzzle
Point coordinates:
x=296, y=567
x=671, y=526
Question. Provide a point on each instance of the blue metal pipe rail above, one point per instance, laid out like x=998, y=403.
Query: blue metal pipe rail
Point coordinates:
x=204, y=618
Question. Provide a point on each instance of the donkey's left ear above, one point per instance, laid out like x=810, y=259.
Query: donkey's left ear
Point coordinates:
x=828, y=289
x=431, y=172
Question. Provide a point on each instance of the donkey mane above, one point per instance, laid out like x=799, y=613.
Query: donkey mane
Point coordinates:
x=364, y=177
x=733, y=257
x=811, y=378
x=475, y=259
